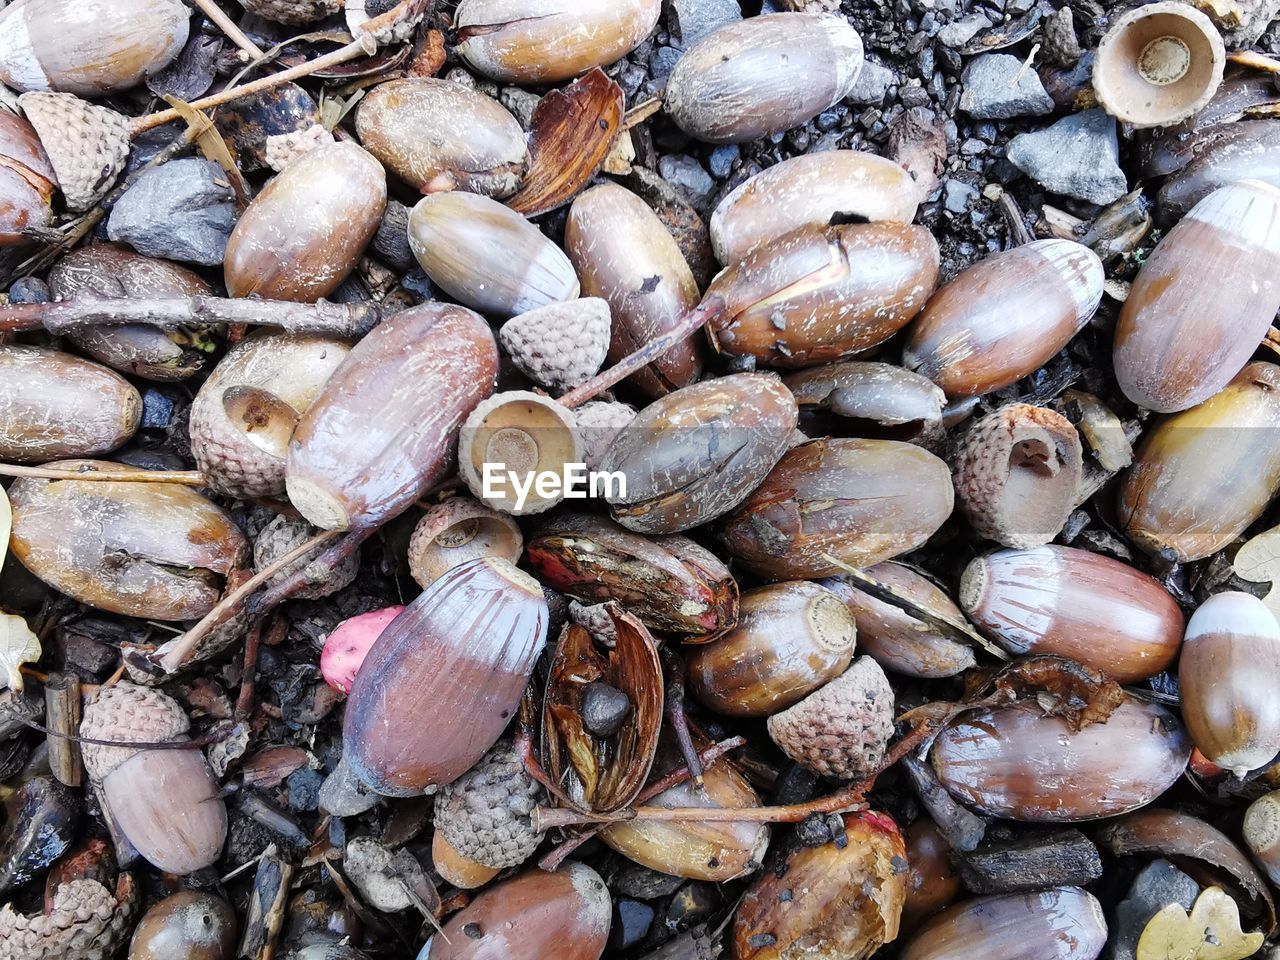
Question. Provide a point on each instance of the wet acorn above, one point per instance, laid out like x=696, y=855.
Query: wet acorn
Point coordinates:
x=763, y=75
x=303, y=234
x=1060, y=923
x=1188, y=324
x=1076, y=604
x=932, y=882
x=1202, y=476
x=1228, y=672
x=487, y=255
x=1004, y=317
x=443, y=680
x=27, y=180
x=190, y=925
x=790, y=639
x=876, y=401
x=91, y=48
x=862, y=501
x=625, y=255
x=1244, y=150
x=437, y=135
x=545, y=41
x=54, y=406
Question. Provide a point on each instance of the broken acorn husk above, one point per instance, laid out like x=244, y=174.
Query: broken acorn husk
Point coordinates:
x=870, y=400
x=459, y=530
x=27, y=180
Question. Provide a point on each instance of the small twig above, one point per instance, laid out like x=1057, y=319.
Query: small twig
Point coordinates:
x=677, y=719
x=62, y=712
x=190, y=478
x=640, y=113
x=1026, y=65
x=1012, y=214
x=198, y=743
x=228, y=26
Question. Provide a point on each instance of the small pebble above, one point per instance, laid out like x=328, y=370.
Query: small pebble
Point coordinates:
x=157, y=410
x=725, y=156
x=604, y=709
x=631, y=921
x=687, y=175
x=29, y=290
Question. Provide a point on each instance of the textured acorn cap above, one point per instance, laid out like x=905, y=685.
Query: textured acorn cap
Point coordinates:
x=284, y=148
x=86, y=144
x=485, y=814
x=292, y=12
x=598, y=423
x=87, y=922
x=841, y=730
x=130, y=713
x=282, y=535
x=561, y=345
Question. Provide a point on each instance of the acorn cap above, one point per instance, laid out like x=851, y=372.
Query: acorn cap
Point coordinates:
x=458, y=530
x=87, y=922
x=840, y=730
x=86, y=144
x=598, y=423
x=282, y=535
x=130, y=713
x=292, y=12
x=596, y=618
x=561, y=345
x=485, y=814
x=283, y=148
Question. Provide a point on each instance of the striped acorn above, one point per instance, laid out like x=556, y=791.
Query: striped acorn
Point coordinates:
x=1060, y=923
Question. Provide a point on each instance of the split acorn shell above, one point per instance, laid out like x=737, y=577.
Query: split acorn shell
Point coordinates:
x=27, y=180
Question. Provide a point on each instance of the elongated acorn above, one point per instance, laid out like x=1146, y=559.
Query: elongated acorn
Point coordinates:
x=932, y=882
x=27, y=180
x=1061, y=923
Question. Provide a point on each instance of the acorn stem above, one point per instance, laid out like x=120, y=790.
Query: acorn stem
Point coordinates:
x=676, y=715
x=190, y=478
x=224, y=23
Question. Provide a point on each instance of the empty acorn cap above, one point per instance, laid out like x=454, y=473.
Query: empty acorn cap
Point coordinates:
x=1158, y=64
x=87, y=144
x=458, y=530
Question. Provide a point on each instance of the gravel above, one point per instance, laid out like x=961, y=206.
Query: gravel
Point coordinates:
x=998, y=87
x=694, y=19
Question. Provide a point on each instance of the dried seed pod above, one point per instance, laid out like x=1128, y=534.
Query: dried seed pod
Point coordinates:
x=88, y=47
x=824, y=293
x=383, y=429
x=87, y=145
x=670, y=583
x=625, y=255
x=1243, y=150
x=862, y=501
x=441, y=683
x=1004, y=317
x=790, y=639
x=895, y=639
x=1016, y=762
x=487, y=255
x=85, y=920
x=854, y=893
x=529, y=917
x=244, y=415
x=1188, y=326
x=458, y=530
x=109, y=270
x=1077, y=604
x=485, y=814
x=190, y=925
x=1228, y=672
x=546, y=41
x=54, y=405
x=871, y=400
x=1158, y=64
x=763, y=75
x=1202, y=476
x=932, y=882
x=158, y=551
x=561, y=345
x=292, y=12
x=164, y=801
x=1018, y=473
x=304, y=233
x=810, y=190
x=27, y=180
x=1261, y=832
x=437, y=135
x=1061, y=923
x=697, y=453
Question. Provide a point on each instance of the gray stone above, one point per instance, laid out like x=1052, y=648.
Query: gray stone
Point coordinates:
x=685, y=173
x=694, y=19
x=1077, y=156
x=343, y=795
x=180, y=210
x=1159, y=884
x=991, y=93
x=872, y=84
x=663, y=62
x=722, y=159
x=960, y=32
x=957, y=195
x=521, y=103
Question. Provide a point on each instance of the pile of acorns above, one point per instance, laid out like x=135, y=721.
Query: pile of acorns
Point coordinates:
x=769, y=531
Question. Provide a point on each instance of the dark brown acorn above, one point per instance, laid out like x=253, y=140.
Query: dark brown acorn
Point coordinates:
x=1061, y=923
x=1244, y=150
x=932, y=882
x=190, y=925
x=27, y=180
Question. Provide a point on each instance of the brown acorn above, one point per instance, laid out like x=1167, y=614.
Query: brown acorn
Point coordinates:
x=1244, y=150
x=872, y=401
x=87, y=144
x=932, y=882
x=1060, y=923
x=454, y=868
x=456, y=531
x=190, y=925
x=441, y=683
x=27, y=180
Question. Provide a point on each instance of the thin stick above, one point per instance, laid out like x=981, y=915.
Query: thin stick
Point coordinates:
x=228, y=26
x=676, y=716
x=62, y=713
x=189, y=478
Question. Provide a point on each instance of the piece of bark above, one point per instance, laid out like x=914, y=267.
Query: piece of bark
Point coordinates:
x=1064, y=858
x=962, y=829
x=62, y=708
x=266, y=906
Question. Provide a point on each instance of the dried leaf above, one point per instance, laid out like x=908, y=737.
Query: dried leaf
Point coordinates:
x=267, y=768
x=1211, y=932
x=211, y=144
x=571, y=132
x=6, y=524
x=18, y=645
x=1258, y=561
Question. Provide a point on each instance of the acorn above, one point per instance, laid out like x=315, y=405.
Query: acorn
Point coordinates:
x=1261, y=832
x=895, y=639
x=485, y=814
x=1202, y=476
x=561, y=345
x=54, y=405
x=244, y=415
x=292, y=12
x=1060, y=923
x=870, y=400
x=456, y=869
x=1018, y=473
x=488, y=256
x=1075, y=604
x=841, y=731
x=27, y=180
x=598, y=423
x=1186, y=329
x=1228, y=672
x=695, y=454
x=763, y=75
x=932, y=882
x=304, y=233
x=1018, y=763
x=83, y=920
x=91, y=48
x=383, y=428
x=87, y=144
x=443, y=680
x=109, y=270
x=862, y=501
x=437, y=135
x=821, y=293
x=853, y=897
x=790, y=639
x=164, y=801
x=456, y=531
x=1005, y=317
x=282, y=536
x=567, y=913
x=624, y=254
x=546, y=41
x=1243, y=150
x=810, y=190
x=191, y=925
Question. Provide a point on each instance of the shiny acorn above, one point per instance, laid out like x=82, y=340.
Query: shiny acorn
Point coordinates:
x=27, y=180
x=1060, y=923
x=1188, y=324
x=1244, y=150
x=873, y=401
x=191, y=925
x=932, y=881
x=763, y=75
x=1005, y=316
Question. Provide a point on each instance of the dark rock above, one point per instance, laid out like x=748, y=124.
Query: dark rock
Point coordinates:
x=304, y=790
x=873, y=83
x=694, y=19
x=1060, y=43
x=604, y=709
x=180, y=210
x=1078, y=156
x=29, y=290
x=1159, y=884
x=991, y=93
x=521, y=103
x=957, y=195
x=644, y=884
x=631, y=921
x=722, y=160
x=960, y=32
x=686, y=174
x=1062, y=858
x=157, y=410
